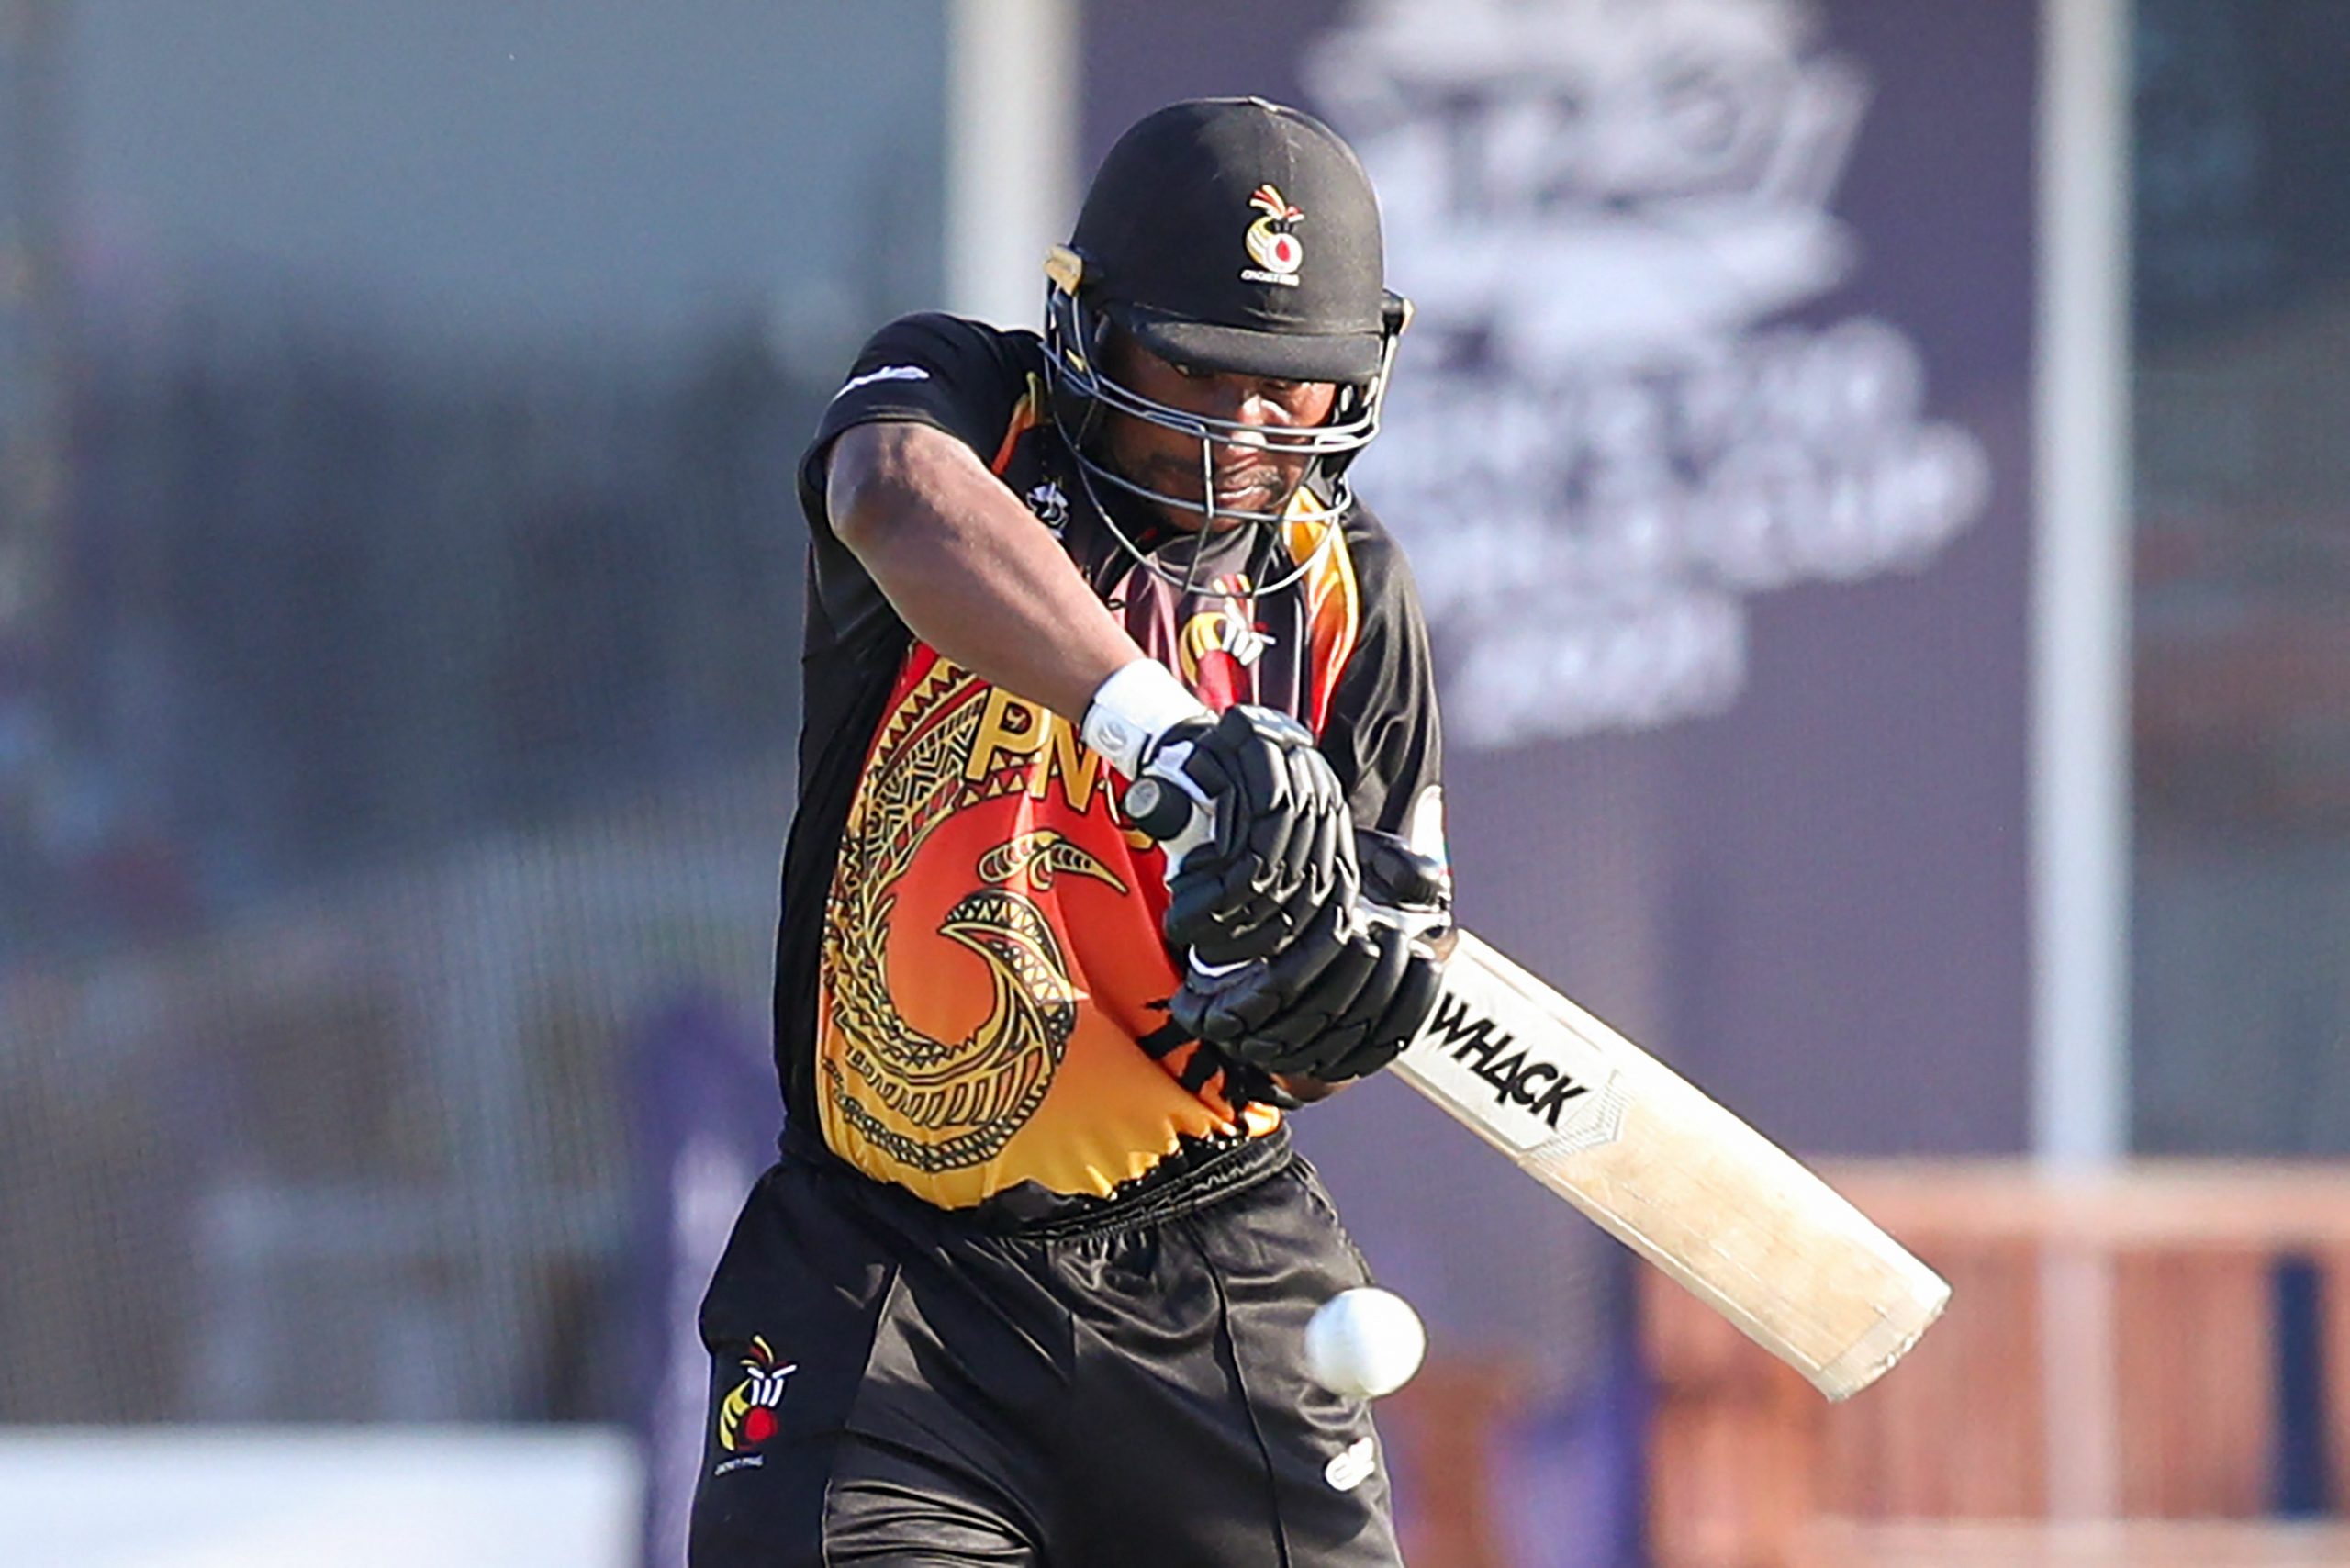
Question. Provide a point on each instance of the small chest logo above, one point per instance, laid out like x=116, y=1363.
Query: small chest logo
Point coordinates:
x=1273, y=241
x=1051, y=507
x=1220, y=644
x=1226, y=630
x=747, y=1415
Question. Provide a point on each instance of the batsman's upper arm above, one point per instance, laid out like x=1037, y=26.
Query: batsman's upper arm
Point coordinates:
x=882, y=479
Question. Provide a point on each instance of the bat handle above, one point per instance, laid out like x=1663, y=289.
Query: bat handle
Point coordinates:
x=1168, y=807
x=1158, y=808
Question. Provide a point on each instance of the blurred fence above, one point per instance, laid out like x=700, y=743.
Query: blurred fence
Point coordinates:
x=2123, y=1353
x=363, y=1152
x=406, y=730
x=399, y=590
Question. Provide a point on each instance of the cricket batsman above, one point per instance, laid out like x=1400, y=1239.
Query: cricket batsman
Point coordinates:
x=1030, y=1283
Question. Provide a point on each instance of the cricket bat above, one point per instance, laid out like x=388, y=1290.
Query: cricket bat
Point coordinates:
x=1670, y=1173
x=1662, y=1167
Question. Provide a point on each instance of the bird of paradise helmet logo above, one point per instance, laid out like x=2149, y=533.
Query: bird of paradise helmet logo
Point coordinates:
x=1271, y=240
x=746, y=1417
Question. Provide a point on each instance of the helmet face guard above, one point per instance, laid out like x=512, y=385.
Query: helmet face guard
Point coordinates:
x=1076, y=334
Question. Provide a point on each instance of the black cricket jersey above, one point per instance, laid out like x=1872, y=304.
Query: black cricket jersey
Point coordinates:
x=971, y=983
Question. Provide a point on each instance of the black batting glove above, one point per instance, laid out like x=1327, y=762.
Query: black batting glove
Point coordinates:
x=1348, y=993
x=1283, y=849
x=1340, y=1002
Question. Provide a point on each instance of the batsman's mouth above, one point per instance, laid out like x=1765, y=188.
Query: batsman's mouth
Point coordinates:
x=1255, y=486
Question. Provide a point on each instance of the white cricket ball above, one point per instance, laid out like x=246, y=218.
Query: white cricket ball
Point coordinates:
x=1364, y=1343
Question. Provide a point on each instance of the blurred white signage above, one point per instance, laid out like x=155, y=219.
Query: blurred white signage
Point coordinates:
x=1601, y=442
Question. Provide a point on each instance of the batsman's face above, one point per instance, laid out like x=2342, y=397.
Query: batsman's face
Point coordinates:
x=1245, y=478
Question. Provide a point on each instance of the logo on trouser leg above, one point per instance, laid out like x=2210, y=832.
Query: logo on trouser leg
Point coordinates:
x=1351, y=1466
x=747, y=1415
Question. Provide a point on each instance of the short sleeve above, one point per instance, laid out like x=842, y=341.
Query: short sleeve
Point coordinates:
x=930, y=369
x=957, y=375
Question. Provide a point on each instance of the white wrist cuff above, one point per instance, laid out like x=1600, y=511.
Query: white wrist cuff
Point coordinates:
x=1133, y=709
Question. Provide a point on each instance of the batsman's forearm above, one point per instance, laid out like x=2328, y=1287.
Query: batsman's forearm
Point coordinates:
x=967, y=567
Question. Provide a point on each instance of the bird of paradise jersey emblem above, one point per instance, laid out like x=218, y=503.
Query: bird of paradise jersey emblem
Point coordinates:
x=1271, y=241
x=931, y=1101
x=747, y=1415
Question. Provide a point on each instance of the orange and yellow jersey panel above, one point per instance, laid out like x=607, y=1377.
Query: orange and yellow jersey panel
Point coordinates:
x=971, y=986
x=991, y=999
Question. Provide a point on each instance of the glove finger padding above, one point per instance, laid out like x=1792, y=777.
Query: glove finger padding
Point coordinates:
x=1223, y=1008
x=1244, y=758
x=1213, y=898
x=1258, y=740
x=1224, y=925
x=1352, y=1015
x=1385, y=950
x=1295, y=823
x=1408, y=1011
x=1296, y=1039
x=1282, y=835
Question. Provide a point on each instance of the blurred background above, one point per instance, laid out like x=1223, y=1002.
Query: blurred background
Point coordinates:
x=1877, y=473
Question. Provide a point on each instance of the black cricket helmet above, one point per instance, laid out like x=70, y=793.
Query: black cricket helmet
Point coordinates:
x=1225, y=234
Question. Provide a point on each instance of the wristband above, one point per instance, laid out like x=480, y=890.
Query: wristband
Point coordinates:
x=1132, y=708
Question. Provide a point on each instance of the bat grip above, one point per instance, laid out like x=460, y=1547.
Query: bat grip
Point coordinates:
x=1170, y=808
x=1158, y=808
x=1167, y=808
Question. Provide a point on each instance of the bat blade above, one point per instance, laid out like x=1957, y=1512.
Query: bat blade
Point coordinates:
x=1671, y=1174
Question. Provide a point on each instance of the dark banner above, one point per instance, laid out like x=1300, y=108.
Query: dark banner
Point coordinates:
x=703, y=1120
x=1710, y=447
